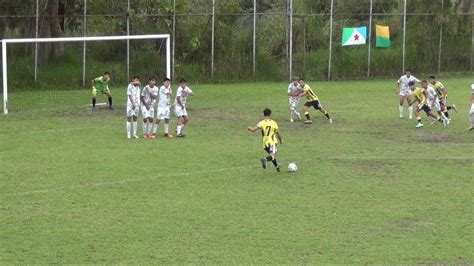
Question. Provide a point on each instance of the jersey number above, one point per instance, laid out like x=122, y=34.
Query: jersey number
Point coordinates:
x=268, y=128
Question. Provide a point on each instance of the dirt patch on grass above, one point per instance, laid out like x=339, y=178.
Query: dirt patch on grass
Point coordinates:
x=412, y=224
x=88, y=112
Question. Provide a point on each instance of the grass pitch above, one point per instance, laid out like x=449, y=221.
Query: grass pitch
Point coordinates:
x=371, y=188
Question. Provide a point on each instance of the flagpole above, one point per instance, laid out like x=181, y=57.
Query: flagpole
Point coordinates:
x=370, y=38
x=404, y=33
x=330, y=40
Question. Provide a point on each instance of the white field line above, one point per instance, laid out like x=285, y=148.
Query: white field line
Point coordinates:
x=124, y=181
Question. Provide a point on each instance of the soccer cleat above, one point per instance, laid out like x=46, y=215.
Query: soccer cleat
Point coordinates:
x=167, y=135
x=471, y=128
x=111, y=108
x=152, y=136
x=454, y=108
x=264, y=163
x=308, y=122
x=419, y=125
x=401, y=116
x=146, y=136
x=180, y=136
x=128, y=136
x=330, y=120
x=445, y=122
x=291, y=120
x=135, y=137
x=278, y=168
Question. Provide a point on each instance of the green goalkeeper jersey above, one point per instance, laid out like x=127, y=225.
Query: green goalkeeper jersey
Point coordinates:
x=101, y=84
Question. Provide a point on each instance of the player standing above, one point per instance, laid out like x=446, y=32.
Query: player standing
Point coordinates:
x=421, y=96
x=133, y=105
x=271, y=136
x=148, y=96
x=471, y=106
x=101, y=84
x=312, y=100
x=403, y=90
x=293, y=99
x=182, y=94
x=164, y=105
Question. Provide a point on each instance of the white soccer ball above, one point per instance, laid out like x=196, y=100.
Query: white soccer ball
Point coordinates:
x=292, y=168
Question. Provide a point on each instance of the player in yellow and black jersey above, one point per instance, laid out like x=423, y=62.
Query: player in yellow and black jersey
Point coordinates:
x=270, y=138
x=421, y=96
x=311, y=100
x=442, y=94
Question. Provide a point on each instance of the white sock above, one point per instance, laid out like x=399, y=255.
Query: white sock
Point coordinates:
x=410, y=112
x=145, y=130
x=167, y=128
x=400, y=108
x=128, y=125
x=135, y=124
x=178, y=130
x=291, y=114
x=155, y=127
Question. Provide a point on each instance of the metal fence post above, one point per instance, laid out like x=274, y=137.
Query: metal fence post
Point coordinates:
x=36, y=36
x=330, y=39
x=128, y=40
x=174, y=39
x=290, y=40
x=84, y=33
x=213, y=36
x=404, y=33
x=254, y=52
x=370, y=39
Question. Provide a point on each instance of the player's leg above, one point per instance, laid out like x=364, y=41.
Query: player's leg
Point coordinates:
x=109, y=95
x=471, y=117
x=94, y=97
x=400, y=106
x=145, y=122
x=135, y=125
x=319, y=107
x=306, y=113
x=409, y=100
x=128, y=125
x=418, y=118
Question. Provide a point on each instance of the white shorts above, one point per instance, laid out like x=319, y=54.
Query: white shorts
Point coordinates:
x=132, y=112
x=472, y=109
x=405, y=93
x=179, y=111
x=148, y=113
x=293, y=102
x=163, y=113
x=436, y=105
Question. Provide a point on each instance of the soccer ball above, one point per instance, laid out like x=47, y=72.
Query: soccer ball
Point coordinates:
x=292, y=168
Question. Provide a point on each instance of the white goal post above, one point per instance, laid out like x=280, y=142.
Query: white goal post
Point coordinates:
x=5, y=42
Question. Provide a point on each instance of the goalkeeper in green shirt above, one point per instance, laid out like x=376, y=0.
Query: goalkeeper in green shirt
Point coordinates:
x=101, y=84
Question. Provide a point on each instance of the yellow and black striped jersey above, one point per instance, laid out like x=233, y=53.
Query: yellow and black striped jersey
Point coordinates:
x=269, y=128
x=310, y=95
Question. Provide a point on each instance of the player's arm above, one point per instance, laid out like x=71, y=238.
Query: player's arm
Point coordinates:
x=142, y=99
x=178, y=100
x=425, y=101
x=444, y=94
x=253, y=129
x=397, y=88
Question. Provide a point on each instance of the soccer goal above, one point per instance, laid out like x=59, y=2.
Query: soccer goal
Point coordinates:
x=6, y=43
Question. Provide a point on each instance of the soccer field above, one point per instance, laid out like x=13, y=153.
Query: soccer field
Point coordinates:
x=370, y=188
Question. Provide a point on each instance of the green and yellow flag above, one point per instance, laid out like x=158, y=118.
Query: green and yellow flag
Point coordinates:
x=382, y=34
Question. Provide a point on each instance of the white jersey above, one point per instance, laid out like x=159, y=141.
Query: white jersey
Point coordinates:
x=148, y=93
x=165, y=99
x=134, y=93
x=182, y=94
x=431, y=94
x=403, y=83
x=292, y=88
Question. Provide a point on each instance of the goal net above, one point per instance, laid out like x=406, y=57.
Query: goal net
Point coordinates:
x=34, y=78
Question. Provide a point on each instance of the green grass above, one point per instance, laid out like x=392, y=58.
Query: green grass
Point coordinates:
x=370, y=187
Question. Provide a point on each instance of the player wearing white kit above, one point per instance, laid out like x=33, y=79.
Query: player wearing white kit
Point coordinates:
x=182, y=94
x=148, y=99
x=404, y=92
x=133, y=105
x=471, y=108
x=294, y=90
x=164, y=105
x=433, y=102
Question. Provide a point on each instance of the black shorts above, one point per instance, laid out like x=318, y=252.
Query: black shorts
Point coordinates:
x=315, y=104
x=270, y=149
x=426, y=108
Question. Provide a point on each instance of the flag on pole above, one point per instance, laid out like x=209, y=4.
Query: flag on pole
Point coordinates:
x=382, y=38
x=354, y=36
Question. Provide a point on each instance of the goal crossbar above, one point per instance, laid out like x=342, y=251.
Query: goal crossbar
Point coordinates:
x=5, y=42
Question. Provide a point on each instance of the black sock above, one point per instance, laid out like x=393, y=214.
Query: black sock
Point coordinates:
x=446, y=114
x=93, y=102
x=419, y=120
x=307, y=116
x=275, y=162
x=269, y=158
x=449, y=107
x=327, y=115
x=110, y=101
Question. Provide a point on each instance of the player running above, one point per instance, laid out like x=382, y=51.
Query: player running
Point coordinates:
x=433, y=102
x=101, y=84
x=312, y=100
x=133, y=105
x=182, y=94
x=164, y=105
x=471, y=106
x=148, y=100
x=421, y=95
x=293, y=99
x=270, y=136
x=404, y=92
x=442, y=96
